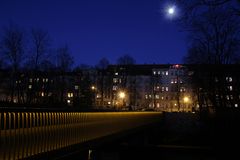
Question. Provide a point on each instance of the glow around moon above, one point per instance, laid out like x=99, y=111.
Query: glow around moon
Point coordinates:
x=171, y=11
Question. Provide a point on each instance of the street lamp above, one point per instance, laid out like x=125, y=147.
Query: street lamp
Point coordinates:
x=186, y=100
x=122, y=96
x=94, y=89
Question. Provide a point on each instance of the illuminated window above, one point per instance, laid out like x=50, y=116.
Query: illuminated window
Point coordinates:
x=115, y=80
x=229, y=79
x=227, y=97
x=68, y=101
x=30, y=80
x=46, y=79
x=172, y=81
x=230, y=88
x=182, y=89
x=154, y=72
x=146, y=96
x=236, y=105
x=115, y=88
x=162, y=97
x=70, y=95
x=159, y=72
x=166, y=73
x=167, y=89
x=162, y=89
x=37, y=79
x=158, y=105
x=76, y=87
x=43, y=80
x=150, y=96
x=231, y=97
x=175, y=80
x=157, y=96
x=30, y=86
x=42, y=94
x=116, y=73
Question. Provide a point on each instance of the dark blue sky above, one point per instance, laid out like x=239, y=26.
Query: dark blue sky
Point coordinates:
x=102, y=28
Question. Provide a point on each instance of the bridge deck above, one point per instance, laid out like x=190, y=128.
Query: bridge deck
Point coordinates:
x=24, y=134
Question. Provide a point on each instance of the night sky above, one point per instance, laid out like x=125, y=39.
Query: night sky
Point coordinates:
x=102, y=28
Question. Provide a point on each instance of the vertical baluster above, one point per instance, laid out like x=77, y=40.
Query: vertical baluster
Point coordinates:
x=70, y=128
x=47, y=134
x=61, y=130
x=34, y=134
x=9, y=136
x=22, y=135
x=65, y=129
x=55, y=131
x=30, y=134
x=1, y=137
x=5, y=135
x=58, y=131
x=41, y=132
x=38, y=131
x=18, y=136
x=14, y=136
x=27, y=133
x=52, y=130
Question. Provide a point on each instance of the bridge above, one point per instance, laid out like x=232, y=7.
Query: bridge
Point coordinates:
x=26, y=134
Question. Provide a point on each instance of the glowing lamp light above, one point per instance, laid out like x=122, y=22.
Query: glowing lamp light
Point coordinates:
x=186, y=99
x=93, y=87
x=122, y=95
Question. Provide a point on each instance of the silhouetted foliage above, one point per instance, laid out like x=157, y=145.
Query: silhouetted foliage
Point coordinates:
x=101, y=82
x=40, y=45
x=214, y=32
x=12, y=51
x=126, y=60
x=103, y=63
x=64, y=59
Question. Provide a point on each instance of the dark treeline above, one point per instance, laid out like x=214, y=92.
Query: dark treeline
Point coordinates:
x=34, y=73
x=213, y=28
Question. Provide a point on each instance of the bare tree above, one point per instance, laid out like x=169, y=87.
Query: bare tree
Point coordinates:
x=40, y=43
x=12, y=49
x=101, y=67
x=126, y=60
x=64, y=59
x=214, y=34
x=214, y=29
x=64, y=64
x=103, y=63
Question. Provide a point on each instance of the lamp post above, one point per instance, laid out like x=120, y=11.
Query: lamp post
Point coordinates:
x=122, y=96
x=186, y=101
x=93, y=88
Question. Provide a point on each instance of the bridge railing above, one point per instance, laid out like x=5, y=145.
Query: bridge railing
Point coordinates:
x=25, y=134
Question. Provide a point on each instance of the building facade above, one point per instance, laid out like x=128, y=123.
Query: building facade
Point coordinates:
x=155, y=87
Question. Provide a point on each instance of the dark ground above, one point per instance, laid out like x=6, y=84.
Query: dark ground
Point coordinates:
x=179, y=136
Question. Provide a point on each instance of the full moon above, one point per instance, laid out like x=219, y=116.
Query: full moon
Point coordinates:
x=171, y=10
